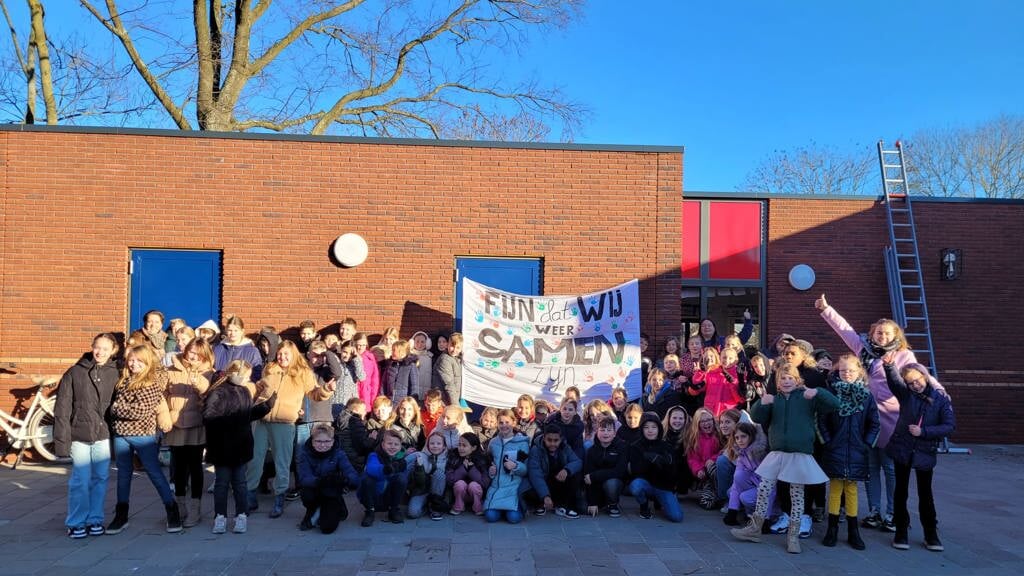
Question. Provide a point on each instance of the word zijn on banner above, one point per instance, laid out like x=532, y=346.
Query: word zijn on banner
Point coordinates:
x=541, y=345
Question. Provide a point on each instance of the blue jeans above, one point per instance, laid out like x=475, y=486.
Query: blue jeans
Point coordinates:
x=878, y=462
x=148, y=450
x=724, y=471
x=643, y=491
x=87, y=486
x=513, y=516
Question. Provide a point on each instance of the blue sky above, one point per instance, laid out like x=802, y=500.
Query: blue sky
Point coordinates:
x=733, y=80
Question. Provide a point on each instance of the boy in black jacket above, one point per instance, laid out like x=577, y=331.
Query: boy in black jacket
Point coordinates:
x=554, y=474
x=604, y=469
x=651, y=464
x=350, y=433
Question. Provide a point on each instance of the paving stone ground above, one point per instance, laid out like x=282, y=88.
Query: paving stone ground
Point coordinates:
x=978, y=502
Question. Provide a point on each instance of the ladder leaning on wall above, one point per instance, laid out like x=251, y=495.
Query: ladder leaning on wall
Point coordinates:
x=903, y=264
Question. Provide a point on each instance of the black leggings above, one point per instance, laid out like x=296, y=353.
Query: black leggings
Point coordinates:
x=186, y=469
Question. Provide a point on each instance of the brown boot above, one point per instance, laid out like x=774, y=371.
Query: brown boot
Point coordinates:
x=751, y=532
x=793, y=536
x=195, y=513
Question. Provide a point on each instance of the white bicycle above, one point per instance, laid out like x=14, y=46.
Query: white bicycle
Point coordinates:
x=36, y=428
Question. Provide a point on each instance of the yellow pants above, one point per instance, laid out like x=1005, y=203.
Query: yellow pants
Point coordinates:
x=837, y=489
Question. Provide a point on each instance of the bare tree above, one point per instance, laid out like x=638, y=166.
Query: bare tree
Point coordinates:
x=811, y=169
x=390, y=68
x=984, y=161
x=36, y=53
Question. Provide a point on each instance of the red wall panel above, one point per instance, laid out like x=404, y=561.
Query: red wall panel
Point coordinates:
x=690, y=239
x=734, y=243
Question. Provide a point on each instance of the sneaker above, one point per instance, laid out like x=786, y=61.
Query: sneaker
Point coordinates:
x=455, y=512
x=613, y=510
x=292, y=495
x=781, y=525
x=724, y=509
x=872, y=520
x=934, y=544
x=645, y=511
x=540, y=511
x=173, y=518
x=900, y=542
x=241, y=524
x=220, y=524
x=368, y=518
x=560, y=512
x=571, y=514
x=96, y=530
x=805, y=526
x=78, y=532
x=435, y=515
x=888, y=525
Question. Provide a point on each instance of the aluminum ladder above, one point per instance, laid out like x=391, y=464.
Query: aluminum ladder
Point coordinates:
x=903, y=265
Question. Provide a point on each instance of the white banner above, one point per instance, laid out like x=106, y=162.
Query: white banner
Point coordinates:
x=541, y=345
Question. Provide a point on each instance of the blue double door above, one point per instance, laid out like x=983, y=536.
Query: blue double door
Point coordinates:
x=180, y=283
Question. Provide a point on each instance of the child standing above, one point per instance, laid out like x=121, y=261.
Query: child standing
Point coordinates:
x=926, y=417
x=510, y=451
x=848, y=434
x=790, y=419
x=400, y=374
x=228, y=413
x=467, y=474
x=720, y=388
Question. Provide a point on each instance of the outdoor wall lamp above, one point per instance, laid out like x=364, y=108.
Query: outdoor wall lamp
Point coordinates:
x=952, y=263
x=350, y=250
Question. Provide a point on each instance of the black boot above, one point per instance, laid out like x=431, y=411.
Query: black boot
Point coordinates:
x=832, y=533
x=173, y=518
x=732, y=518
x=120, y=521
x=307, y=520
x=368, y=518
x=853, y=533
x=395, y=515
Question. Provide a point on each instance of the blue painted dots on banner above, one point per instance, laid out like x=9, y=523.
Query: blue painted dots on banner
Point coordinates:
x=541, y=306
x=479, y=316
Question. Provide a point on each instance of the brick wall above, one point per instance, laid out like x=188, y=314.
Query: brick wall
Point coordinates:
x=75, y=203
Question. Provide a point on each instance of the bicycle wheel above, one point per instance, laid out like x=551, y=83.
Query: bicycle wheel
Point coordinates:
x=41, y=424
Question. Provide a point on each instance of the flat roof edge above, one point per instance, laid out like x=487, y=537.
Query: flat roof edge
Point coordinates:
x=164, y=132
x=694, y=194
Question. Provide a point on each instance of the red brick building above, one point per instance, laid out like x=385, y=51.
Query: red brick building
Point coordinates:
x=76, y=205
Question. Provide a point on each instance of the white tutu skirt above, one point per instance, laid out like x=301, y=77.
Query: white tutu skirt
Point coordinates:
x=792, y=467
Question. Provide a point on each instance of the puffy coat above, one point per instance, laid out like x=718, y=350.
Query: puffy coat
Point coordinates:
x=504, y=491
x=401, y=379
x=331, y=468
x=847, y=441
x=447, y=377
x=412, y=435
x=186, y=387
x=224, y=354
x=83, y=399
x=721, y=388
x=291, y=385
x=931, y=410
x=476, y=472
x=791, y=421
x=604, y=463
x=369, y=387
x=350, y=435
x=228, y=414
x=539, y=466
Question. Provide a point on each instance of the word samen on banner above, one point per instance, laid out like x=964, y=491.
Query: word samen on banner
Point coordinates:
x=519, y=344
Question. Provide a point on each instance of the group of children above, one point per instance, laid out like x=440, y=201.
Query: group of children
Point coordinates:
x=738, y=427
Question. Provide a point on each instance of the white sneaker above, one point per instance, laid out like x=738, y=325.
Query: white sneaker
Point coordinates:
x=805, y=526
x=781, y=525
x=241, y=524
x=220, y=524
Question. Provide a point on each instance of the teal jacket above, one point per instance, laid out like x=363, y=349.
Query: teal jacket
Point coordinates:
x=791, y=420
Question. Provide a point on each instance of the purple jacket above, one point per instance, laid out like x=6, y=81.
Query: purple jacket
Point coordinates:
x=888, y=405
x=224, y=354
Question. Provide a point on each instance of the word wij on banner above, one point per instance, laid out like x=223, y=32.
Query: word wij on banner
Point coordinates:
x=541, y=345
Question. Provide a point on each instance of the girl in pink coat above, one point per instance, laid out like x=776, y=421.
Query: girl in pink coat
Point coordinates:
x=369, y=387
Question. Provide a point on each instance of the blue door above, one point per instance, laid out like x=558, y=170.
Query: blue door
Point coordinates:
x=518, y=275
x=180, y=283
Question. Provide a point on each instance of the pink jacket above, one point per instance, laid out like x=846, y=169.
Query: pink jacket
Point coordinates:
x=719, y=394
x=708, y=448
x=369, y=387
x=888, y=405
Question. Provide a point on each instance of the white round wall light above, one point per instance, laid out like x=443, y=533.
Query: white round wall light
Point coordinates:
x=350, y=250
x=801, y=277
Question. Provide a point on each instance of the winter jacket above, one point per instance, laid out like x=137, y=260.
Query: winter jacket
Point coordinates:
x=447, y=377
x=484, y=435
x=888, y=405
x=653, y=460
x=791, y=420
x=224, y=354
x=606, y=462
x=528, y=427
x=629, y=435
x=83, y=399
x=273, y=343
x=133, y=412
x=412, y=435
x=186, y=387
x=847, y=441
x=708, y=448
x=539, y=466
x=330, y=469
x=475, y=472
x=350, y=435
x=291, y=387
x=369, y=387
x=424, y=367
x=380, y=467
x=428, y=474
x=346, y=377
x=401, y=379
x=430, y=419
x=931, y=410
x=228, y=413
x=572, y=432
x=721, y=388
x=504, y=491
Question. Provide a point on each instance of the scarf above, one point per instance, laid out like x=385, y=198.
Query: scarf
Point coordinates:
x=851, y=396
x=870, y=351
